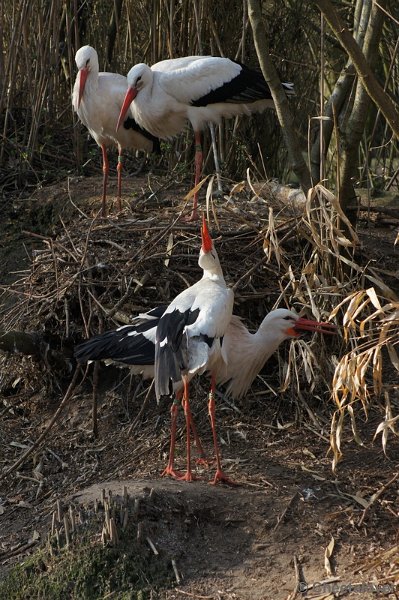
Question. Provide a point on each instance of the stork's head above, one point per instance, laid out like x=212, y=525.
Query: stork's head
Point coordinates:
x=86, y=59
x=208, y=258
x=288, y=324
x=138, y=77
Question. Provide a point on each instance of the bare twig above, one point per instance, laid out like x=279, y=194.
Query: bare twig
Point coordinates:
x=44, y=434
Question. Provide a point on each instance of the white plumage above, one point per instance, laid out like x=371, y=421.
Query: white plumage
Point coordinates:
x=244, y=353
x=188, y=338
x=195, y=89
x=97, y=99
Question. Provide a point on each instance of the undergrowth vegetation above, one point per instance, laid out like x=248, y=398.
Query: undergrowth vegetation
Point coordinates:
x=80, y=560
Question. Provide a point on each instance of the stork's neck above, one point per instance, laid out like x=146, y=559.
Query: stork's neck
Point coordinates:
x=214, y=275
x=92, y=82
x=269, y=338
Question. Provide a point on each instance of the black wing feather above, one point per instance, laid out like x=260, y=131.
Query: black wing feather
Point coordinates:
x=247, y=87
x=130, y=123
x=134, y=349
x=128, y=344
x=171, y=348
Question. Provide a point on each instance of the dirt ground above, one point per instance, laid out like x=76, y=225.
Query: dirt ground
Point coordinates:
x=289, y=529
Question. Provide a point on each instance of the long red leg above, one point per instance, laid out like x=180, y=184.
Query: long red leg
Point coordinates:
x=219, y=476
x=188, y=476
x=119, y=170
x=203, y=458
x=105, y=180
x=170, y=467
x=198, y=170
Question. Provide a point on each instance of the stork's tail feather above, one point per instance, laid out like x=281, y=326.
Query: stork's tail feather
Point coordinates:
x=168, y=368
x=125, y=345
x=96, y=348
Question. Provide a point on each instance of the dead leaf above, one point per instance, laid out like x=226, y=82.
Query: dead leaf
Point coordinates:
x=313, y=473
x=327, y=555
x=237, y=188
x=19, y=445
x=308, y=453
x=195, y=189
x=35, y=536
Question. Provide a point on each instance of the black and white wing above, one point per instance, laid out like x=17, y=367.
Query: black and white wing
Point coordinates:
x=132, y=344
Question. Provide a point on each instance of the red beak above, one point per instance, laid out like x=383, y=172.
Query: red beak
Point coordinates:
x=83, y=73
x=129, y=97
x=207, y=243
x=310, y=325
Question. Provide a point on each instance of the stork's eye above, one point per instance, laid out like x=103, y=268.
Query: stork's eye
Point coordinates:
x=87, y=62
x=288, y=318
x=138, y=79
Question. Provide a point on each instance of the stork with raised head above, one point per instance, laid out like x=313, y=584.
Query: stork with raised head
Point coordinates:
x=97, y=99
x=195, y=89
x=188, y=339
x=246, y=353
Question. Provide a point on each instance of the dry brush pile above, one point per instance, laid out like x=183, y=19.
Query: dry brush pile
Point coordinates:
x=95, y=274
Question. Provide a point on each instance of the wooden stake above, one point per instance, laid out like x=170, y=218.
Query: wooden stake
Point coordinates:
x=72, y=518
x=113, y=532
x=59, y=511
x=136, y=508
x=178, y=579
x=66, y=527
x=152, y=546
x=53, y=520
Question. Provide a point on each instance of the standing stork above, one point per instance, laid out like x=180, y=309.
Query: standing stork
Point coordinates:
x=188, y=339
x=198, y=89
x=246, y=353
x=97, y=99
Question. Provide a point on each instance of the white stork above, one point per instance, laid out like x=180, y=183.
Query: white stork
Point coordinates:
x=246, y=352
x=188, y=338
x=97, y=99
x=198, y=89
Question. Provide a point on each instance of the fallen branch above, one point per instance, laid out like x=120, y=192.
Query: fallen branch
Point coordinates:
x=375, y=497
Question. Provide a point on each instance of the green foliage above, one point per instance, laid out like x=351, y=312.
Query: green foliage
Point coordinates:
x=88, y=570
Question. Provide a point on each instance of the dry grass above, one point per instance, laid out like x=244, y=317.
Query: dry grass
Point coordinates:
x=95, y=275
x=41, y=139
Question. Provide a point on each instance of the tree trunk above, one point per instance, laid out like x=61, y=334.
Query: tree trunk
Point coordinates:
x=353, y=131
x=284, y=115
x=341, y=91
x=364, y=71
x=335, y=104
